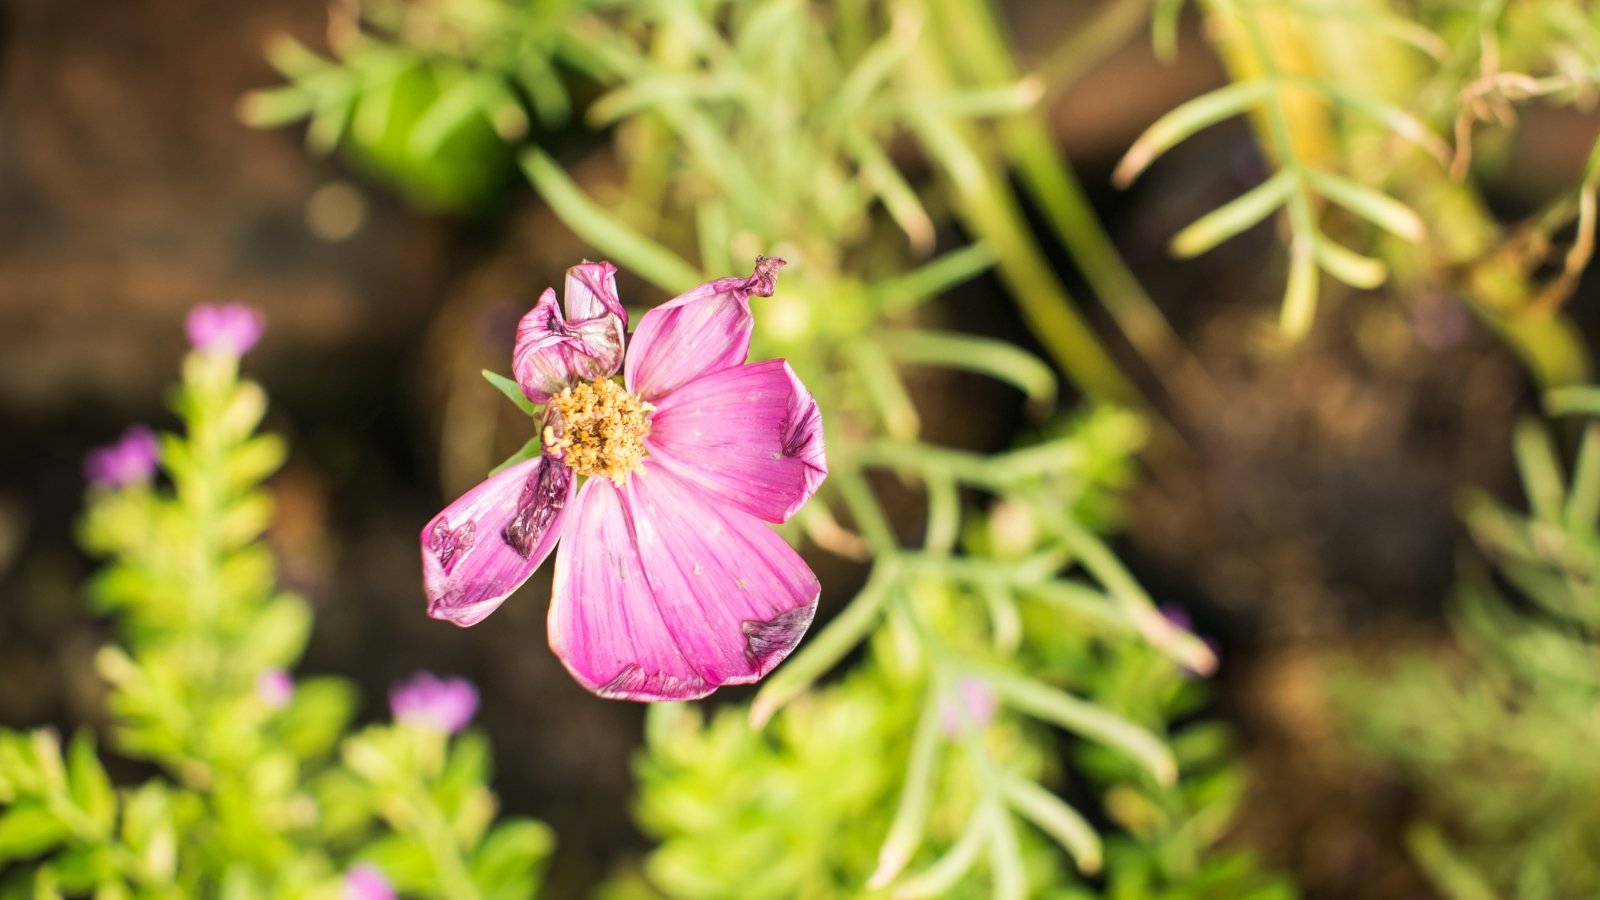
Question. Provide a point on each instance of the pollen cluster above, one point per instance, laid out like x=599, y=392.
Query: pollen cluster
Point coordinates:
x=597, y=428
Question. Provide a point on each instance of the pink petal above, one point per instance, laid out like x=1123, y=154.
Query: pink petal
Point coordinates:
x=702, y=331
x=662, y=596
x=487, y=543
x=603, y=624
x=750, y=436
x=590, y=292
x=552, y=352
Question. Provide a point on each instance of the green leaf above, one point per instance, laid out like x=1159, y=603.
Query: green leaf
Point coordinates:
x=88, y=783
x=1541, y=473
x=1080, y=717
x=1001, y=360
x=1583, y=501
x=1300, y=296
x=1361, y=272
x=28, y=829
x=602, y=228
x=1581, y=400
x=939, y=878
x=1055, y=818
x=255, y=459
x=457, y=103
x=928, y=281
x=317, y=716
x=1375, y=206
x=279, y=632
x=532, y=448
x=508, y=864
x=910, y=818
x=1235, y=216
x=1196, y=115
x=513, y=393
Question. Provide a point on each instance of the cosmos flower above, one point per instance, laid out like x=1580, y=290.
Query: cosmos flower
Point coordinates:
x=364, y=881
x=442, y=704
x=667, y=584
x=131, y=459
x=231, y=328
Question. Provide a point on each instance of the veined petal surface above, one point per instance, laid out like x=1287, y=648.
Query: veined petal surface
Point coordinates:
x=604, y=625
x=735, y=597
x=483, y=546
x=704, y=330
x=662, y=595
x=750, y=436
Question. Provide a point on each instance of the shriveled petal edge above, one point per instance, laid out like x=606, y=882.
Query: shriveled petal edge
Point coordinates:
x=590, y=291
x=509, y=483
x=670, y=348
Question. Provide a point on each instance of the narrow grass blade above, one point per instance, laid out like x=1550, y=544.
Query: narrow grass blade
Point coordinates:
x=1235, y=216
x=1173, y=128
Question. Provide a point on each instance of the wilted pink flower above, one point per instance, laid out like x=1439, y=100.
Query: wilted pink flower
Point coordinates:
x=970, y=706
x=667, y=585
x=131, y=459
x=444, y=704
x=275, y=688
x=225, y=328
x=365, y=881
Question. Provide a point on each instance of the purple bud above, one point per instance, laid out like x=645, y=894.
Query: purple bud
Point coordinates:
x=231, y=328
x=365, y=881
x=1177, y=615
x=971, y=706
x=275, y=688
x=131, y=459
x=426, y=701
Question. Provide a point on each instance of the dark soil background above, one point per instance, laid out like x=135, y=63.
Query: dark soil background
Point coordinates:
x=1308, y=510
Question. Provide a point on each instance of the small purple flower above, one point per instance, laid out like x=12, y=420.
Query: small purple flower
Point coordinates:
x=443, y=704
x=231, y=328
x=365, y=881
x=131, y=459
x=668, y=584
x=1177, y=615
x=275, y=688
x=969, y=707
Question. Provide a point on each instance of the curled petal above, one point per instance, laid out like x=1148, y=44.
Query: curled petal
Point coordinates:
x=660, y=595
x=487, y=543
x=702, y=331
x=591, y=292
x=553, y=352
x=749, y=435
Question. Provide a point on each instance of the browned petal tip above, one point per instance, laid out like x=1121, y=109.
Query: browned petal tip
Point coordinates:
x=765, y=278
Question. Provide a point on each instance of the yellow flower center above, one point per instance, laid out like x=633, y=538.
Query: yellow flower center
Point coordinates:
x=597, y=428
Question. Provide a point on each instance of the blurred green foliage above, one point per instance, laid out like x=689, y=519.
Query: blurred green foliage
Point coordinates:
x=844, y=137
x=1367, y=114
x=938, y=766
x=1498, y=735
x=253, y=796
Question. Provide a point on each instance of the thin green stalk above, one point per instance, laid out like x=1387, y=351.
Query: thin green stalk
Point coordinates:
x=990, y=209
x=1049, y=179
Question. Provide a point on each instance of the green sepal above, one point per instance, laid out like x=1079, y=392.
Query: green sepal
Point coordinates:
x=532, y=448
x=513, y=393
